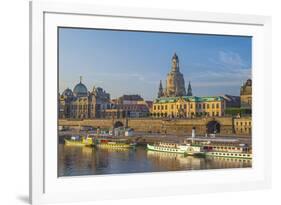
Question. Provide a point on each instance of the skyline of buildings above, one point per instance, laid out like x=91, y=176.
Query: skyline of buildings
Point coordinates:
x=173, y=101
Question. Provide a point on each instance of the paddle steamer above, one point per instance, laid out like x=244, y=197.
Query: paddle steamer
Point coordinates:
x=183, y=148
x=228, y=151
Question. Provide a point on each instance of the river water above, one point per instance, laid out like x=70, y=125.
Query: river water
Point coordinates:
x=77, y=161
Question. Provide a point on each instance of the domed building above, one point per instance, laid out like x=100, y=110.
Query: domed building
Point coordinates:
x=65, y=100
x=175, y=101
x=80, y=90
x=67, y=93
x=175, y=85
x=81, y=104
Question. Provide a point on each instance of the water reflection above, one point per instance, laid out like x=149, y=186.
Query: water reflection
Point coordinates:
x=174, y=161
x=75, y=161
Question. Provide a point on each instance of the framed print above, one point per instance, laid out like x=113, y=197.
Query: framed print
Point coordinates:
x=128, y=102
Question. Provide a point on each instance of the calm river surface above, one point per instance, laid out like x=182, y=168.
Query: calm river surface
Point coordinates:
x=75, y=161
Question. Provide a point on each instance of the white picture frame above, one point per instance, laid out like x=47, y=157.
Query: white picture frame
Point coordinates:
x=46, y=187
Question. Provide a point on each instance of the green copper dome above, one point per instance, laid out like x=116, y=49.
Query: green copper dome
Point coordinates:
x=80, y=90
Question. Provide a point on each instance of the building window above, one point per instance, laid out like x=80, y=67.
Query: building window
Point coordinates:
x=172, y=106
x=213, y=106
x=166, y=107
x=184, y=106
x=191, y=106
x=199, y=106
x=162, y=107
x=218, y=105
x=203, y=105
x=208, y=106
x=158, y=107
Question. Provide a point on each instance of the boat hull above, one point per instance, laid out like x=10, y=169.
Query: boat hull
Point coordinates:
x=165, y=149
x=77, y=143
x=230, y=155
x=114, y=145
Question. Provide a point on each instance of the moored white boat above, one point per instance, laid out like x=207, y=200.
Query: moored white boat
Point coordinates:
x=240, y=151
x=175, y=148
x=241, y=155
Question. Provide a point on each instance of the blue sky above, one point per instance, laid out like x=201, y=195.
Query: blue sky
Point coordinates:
x=126, y=62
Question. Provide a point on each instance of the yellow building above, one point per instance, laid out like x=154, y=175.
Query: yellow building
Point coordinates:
x=243, y=125
x=188, y=106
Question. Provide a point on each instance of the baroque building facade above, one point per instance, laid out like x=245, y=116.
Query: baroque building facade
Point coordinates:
x=129, y=106
x=174, y=101
x=243, y=125
x=81, y=104
x=188, y=107
x=246, y=94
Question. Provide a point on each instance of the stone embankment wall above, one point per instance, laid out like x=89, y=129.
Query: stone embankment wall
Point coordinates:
x=177, y=126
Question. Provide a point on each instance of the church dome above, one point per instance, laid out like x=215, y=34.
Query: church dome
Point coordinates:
x=175, y=56
x=80, y=90
x=67, y=93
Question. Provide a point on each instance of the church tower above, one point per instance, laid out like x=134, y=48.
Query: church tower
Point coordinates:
x=189, y=90
x=175, y=63
x=175, y=85
x=160, y=91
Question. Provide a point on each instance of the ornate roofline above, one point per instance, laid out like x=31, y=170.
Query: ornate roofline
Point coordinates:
x=188, y=98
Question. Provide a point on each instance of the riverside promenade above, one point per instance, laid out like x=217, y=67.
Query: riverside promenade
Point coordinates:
x=143, y=138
